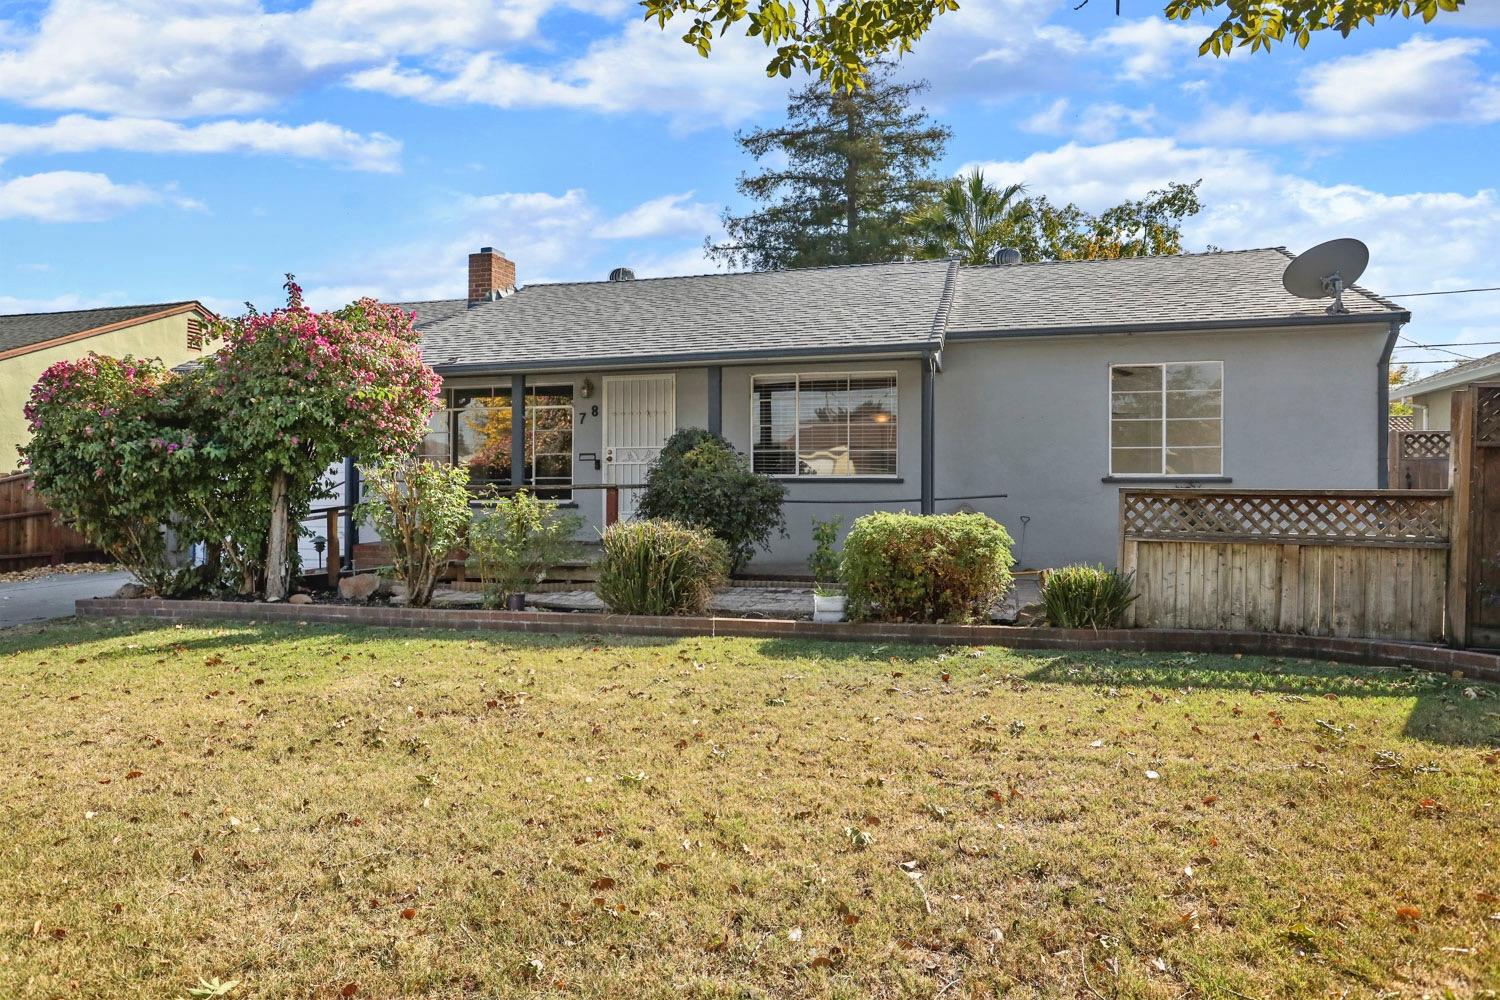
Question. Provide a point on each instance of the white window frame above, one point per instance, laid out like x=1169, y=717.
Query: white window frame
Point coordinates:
x=1109, y=415
x=797, y=377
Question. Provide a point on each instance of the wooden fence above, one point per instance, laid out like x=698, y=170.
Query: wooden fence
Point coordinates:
x=1371, y=563
x=30, y=533
x=1419, y=460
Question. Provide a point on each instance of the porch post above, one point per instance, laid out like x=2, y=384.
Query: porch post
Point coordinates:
x=351, y=497
x=518, y=430
x=929, y=392
x=716, y=400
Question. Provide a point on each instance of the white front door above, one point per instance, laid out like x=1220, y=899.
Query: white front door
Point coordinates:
x=640, y=413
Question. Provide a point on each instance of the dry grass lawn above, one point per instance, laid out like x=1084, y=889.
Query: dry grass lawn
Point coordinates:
x=317, y=812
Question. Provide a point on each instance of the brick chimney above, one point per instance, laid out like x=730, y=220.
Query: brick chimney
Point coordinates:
x=490, y=274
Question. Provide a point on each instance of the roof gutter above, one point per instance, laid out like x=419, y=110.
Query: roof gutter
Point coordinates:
x=1181, y=326
x=914, y=350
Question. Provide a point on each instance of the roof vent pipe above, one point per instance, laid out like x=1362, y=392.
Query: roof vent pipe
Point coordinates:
x=622, y=274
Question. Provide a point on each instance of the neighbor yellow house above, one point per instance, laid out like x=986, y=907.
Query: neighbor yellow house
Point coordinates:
x=174, y=332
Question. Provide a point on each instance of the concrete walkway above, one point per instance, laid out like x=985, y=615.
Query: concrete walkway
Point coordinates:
x=53, y=596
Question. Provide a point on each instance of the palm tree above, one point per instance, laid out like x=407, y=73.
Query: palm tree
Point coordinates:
x=970, y=220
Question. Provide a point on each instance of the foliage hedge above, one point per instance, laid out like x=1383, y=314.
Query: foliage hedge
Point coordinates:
x=512, y=545
x=701, y=481
x=660, y=568
x=421, y=511
x=925, y=568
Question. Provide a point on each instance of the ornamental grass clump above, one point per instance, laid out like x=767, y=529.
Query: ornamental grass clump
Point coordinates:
x=925, y=568
x=660, y=568
x=1087, y=597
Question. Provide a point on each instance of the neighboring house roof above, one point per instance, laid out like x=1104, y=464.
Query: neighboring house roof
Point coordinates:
x=872, y=308
x=904, y=307
x=1478, y=370
x=1187, y=291
x=27, y=331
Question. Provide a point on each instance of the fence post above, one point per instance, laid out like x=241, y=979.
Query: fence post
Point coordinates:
x=611, y=505
x=334, y=555
x=1460, y=506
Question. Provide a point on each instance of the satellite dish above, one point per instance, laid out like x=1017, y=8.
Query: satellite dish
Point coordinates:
x=1326, y=270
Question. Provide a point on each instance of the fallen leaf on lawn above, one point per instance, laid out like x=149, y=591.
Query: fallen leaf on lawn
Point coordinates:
x=795, y=934
x=349, y=990
x=1486, y=897
x=132, y=775
x=1209, y=800
x=408, y=913
x=602, y=883
x=1410, y=914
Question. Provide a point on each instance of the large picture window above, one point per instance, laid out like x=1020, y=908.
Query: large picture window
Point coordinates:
x=1166, y=419
x=474, y=430
x=824, y=425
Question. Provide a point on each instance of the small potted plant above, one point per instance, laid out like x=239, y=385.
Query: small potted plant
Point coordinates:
x=828, y=597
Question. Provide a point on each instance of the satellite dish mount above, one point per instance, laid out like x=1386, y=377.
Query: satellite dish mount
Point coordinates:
x=1325, y=271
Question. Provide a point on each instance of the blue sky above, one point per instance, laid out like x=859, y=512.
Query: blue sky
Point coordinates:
x=154, y=150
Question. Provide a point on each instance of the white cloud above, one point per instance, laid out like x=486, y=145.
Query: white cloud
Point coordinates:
x=642, y=69
x=1372, y=95
x=551, y=237
x=669, y=215
x=1152, y=47
x=70, y=196
x=1092, y=123
x=163, y=58
x=1419, y=240
x=318, y=140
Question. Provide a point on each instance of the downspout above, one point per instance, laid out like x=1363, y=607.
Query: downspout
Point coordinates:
x=929, y=435
x=1383, y=394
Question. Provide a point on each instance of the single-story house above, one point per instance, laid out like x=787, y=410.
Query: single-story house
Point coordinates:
x=1030, y=392
x=1431, y=398
x=30, y=343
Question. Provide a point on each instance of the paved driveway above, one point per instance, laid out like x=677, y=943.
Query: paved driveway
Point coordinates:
x=53, y=596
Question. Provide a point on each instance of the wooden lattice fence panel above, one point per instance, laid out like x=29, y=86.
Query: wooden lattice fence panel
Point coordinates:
x=1363, y=563
x=1373, y=517
x=1402, y=422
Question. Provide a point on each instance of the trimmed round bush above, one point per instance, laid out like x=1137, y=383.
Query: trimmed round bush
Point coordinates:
x=1087, y=596
x=660, y=568
x=925, y=568
x=701, y=481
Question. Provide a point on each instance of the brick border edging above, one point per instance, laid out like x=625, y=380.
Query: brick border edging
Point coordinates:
x=1483, y=666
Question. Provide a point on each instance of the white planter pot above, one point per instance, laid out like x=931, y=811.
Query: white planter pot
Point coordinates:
x=828, y=609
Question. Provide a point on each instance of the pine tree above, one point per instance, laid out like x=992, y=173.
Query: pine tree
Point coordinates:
x=855, y=165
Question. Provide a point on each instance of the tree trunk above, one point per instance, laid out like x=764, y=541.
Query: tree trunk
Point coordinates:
x=276, y=565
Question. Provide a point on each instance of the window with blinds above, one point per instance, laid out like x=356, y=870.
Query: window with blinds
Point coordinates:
x=824, y=425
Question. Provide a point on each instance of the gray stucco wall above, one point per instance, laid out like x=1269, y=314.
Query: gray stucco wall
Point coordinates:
x=1030, y=418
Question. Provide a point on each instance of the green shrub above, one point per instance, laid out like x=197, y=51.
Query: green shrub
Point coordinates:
x=512, y=546
x=1087, y=596
x=700, y=480
x=824, y=561
x=660, y=568
x=421, y=510
x=933, y=568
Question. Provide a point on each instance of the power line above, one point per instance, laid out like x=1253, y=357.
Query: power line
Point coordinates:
x=1461, y=357
x=1449, y=291
x=1413, y=345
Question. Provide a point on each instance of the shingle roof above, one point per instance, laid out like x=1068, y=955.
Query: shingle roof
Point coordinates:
x=432, y=311
x=906, y=306
x=1207, y=288
x=875, y=307
x=1460, y=374
x=25, y=329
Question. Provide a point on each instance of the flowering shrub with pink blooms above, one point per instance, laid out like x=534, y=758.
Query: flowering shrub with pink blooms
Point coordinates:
x=230, y=455
x=304, y=389
x=111, y=453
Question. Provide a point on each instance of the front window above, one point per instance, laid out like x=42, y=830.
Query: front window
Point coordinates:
x=474, y=430
x=1166, y=419
x=824, y=425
